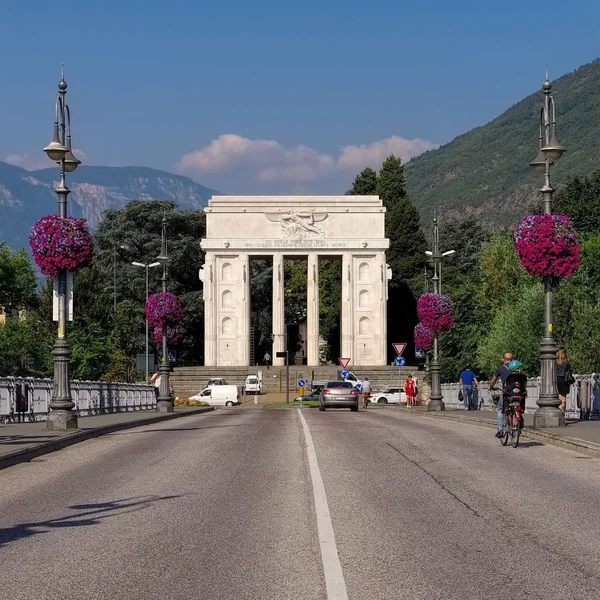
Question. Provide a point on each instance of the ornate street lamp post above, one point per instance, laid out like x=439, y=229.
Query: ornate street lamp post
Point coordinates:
x=548, y=414
x=165, y=400
x=146, y=266
x=435, y=259
x=61, y=416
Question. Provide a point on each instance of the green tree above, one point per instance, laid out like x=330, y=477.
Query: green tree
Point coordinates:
x=17, y=280
x=25, y=348
x=390, y=182
x=365, y=184
x=516, y=328
x=580, y=200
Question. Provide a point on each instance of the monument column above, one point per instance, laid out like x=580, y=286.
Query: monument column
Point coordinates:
x=347, y=324
x=312, y=312
x=380, y=350
x=243, y=353
x=279, y=341
x=208, y=277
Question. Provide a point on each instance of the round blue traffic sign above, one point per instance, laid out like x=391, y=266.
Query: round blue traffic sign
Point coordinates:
x=358, y=387
x=301, y=383
x=345, y=373
x=399, y=361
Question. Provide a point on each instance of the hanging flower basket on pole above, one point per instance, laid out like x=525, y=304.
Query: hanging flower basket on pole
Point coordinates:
x=164, y=308
x=60, y=243
x=547, y=245
x=435, y=311
x=424, y=337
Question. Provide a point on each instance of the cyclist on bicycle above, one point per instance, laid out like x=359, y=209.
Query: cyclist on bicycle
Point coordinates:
x=502, y=372
x=515, y=387
x=366, y=392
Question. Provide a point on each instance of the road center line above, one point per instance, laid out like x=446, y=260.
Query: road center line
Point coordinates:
x=334, y=577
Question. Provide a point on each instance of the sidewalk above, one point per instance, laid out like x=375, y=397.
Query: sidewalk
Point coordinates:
x=580, y=436
x=20, y=442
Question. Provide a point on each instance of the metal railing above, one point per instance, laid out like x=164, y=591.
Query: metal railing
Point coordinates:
x=583, y=400
x=29, y=398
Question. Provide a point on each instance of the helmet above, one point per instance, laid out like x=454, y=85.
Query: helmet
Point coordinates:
x=513, y=365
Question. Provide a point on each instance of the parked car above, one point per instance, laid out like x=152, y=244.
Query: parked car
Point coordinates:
x=253, y=385
x=338, y=394
x=219, y=395
x=389, y=396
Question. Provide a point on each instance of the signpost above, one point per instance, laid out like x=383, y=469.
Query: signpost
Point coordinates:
x=345, y=373
x=301, y=385
x=344, y=362
x=172, y=356
x=399, y=347
x=399, y=361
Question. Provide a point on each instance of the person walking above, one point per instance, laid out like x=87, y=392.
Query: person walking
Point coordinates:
x=155, y=379
x=267, y=359
x=468, y=379
x=564, y=377
x=409, y=390
x=366, y=392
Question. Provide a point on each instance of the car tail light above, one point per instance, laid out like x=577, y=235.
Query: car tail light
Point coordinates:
x=354, y=392
x=326, y=392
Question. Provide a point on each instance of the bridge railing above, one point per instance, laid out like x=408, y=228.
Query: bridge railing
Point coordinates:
x=90, y=397
x=583, y=400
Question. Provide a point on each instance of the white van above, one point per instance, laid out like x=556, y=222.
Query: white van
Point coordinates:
x=219, y=395
x=253, y=384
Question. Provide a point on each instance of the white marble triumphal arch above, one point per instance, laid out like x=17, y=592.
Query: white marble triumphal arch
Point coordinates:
x=239, y=228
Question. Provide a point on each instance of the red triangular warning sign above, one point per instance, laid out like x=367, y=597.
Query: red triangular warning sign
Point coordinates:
x=399, y=348
x=344, y=362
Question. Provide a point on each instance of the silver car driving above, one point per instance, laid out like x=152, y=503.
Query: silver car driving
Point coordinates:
x=339, y=394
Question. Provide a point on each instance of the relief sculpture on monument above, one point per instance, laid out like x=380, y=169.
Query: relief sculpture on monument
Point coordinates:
x=298, y=224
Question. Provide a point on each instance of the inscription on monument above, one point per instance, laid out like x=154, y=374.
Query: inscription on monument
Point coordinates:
x=297, y=243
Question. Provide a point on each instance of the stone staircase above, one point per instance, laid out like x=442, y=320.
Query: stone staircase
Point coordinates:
x=188, y=381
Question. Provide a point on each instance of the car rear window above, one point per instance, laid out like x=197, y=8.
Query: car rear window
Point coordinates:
x=339, y=384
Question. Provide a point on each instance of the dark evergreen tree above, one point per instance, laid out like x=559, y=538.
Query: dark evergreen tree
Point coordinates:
x=390, y=182
x=365, y=184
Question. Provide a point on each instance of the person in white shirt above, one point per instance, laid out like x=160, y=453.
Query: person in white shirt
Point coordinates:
x=366, y=391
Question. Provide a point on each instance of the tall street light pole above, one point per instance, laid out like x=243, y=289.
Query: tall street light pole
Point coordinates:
x=147, y=267
x=548, y=414
x=165, y=400
x=61, y=416
x=435, y=259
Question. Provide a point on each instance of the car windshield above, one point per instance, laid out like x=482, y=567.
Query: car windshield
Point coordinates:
x=338, y=384
x=253, y=381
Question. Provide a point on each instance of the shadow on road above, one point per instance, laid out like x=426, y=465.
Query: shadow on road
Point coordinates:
x=523, y=444
x=93, y=514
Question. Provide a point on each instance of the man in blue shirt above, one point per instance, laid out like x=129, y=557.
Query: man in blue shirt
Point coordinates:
x=467, y=379
x=501, y=373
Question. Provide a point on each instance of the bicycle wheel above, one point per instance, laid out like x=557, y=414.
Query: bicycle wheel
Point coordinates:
x=515, y=431
x=505, y=432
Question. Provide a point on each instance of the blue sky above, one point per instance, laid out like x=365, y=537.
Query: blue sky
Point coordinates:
x=275, y=97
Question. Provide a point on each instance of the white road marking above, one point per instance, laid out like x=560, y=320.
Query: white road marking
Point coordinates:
x=334, y=577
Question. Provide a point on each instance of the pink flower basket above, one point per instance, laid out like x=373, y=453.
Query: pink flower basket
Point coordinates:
x=423, y=337
x=60, y=243
x=547, y=245
x=435, y=311
x=164, y=308
x=172, y=335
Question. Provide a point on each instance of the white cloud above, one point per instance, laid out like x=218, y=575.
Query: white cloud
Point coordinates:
x=34, y=162
x=372, y=155
x=271, y=162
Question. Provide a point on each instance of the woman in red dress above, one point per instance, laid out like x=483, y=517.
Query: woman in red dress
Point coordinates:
x=409, y=390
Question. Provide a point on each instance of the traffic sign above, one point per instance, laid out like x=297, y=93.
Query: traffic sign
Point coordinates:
x=344, y=373
x=172, y=356
x=399, y=347
x=399, y=361
x=419, y=353
x=344, y=362
x=358, y=387
x=301, y=383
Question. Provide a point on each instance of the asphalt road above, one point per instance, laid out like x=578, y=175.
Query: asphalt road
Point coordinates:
x=284, y=504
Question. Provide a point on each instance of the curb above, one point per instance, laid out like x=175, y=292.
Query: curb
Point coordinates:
x=534, y=433
x=26, y=455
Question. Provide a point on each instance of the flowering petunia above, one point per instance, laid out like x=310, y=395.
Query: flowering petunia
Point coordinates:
x=435, y=311
x=547, y=245
x=164, y=308
x=172, y=335
x=60, y=243
x=423, y=337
